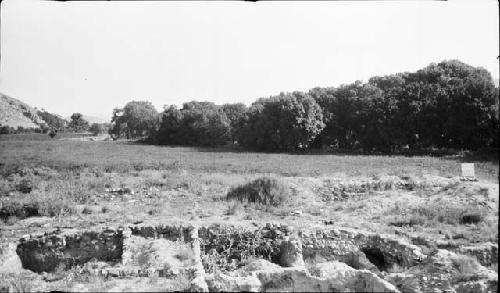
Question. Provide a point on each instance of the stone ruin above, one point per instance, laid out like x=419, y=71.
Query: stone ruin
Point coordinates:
x=229, y=258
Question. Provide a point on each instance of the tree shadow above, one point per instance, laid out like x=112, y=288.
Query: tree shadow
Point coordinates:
x=483, y=155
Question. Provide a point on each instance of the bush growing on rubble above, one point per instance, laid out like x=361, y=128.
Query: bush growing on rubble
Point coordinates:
x=25, y=185
x=264, y=190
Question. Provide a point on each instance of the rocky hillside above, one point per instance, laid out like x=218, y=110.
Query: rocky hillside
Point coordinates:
x=15, y=113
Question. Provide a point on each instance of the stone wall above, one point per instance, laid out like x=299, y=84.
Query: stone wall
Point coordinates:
x=169, y=232
x=221, y=251
x=339, y=244
x=48, y=252
x=221, y=247
x=486, y=253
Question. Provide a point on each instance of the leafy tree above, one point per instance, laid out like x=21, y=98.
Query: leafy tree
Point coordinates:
x=77, y=123
x=118, y=125
x=170, y=126
x=53, y=121
x=391, y=127
x=450, y=104
x=137, y=119
x=236, y=114
x=196, y=124
x=204, y=124
x=342, y=109
x=286, y=122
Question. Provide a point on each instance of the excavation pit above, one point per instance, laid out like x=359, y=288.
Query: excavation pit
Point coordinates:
x=376, y=257
x=227, y=248
x=55, y=250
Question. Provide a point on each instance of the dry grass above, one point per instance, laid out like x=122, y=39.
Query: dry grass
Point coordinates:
x=233, y=208
x=430, y=213
x=43, y=206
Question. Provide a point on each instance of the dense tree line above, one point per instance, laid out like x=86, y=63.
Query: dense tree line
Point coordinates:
x=445, y=105
x=196, y=124
x=137, y=119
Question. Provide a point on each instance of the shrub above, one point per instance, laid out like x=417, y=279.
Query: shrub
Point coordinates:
x=24, y=186
x=154, y=211
x=18, y=209
x=265, y=190
x=87, y=210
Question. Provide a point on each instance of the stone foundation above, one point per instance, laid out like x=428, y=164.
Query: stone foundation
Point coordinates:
x=219, y=257
x=341, y=244
x=48, y=252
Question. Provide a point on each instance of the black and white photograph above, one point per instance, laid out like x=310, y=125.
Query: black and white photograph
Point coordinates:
x=249, y=146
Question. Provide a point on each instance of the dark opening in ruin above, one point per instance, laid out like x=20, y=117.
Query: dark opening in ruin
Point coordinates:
x=376, y=257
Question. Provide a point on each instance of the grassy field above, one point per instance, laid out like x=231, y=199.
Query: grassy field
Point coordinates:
x=62, y=178
x=123, y=157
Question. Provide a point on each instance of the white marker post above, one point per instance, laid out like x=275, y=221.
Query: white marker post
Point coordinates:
x=468, y=171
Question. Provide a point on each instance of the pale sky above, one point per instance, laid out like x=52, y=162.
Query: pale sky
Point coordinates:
x=91, y=57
